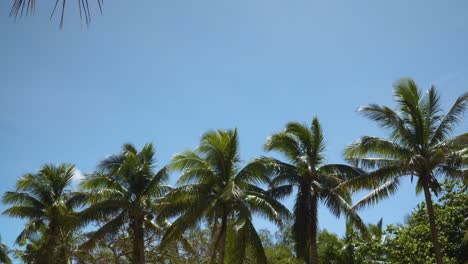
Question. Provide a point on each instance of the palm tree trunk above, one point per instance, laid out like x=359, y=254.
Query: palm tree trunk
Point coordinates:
x=138, y=241
x=52, y=243
x=220, y=243
x=214, y=240
x=430, y=211
x=313, y=255
x=222, y=237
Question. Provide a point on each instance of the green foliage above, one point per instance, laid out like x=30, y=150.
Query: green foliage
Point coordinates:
x=278, y=248
x=125, y=189
x=418, y=146
x=128, y=202
x=330, y=248
x=214, y=188
x=411, y=242
x=4, y=258
x=45, y=200
x=304, y=147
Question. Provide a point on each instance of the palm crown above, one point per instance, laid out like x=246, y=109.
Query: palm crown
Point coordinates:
x=418, y=146
x=44, y=200
x=304, y=148
x=216, y=189
x=125, y=189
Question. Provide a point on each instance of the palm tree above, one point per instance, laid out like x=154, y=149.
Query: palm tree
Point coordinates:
x=46, y=202
x=315, y=181
x=124, y=189
x=4, y=258
x=215, y=188
x=418, y=146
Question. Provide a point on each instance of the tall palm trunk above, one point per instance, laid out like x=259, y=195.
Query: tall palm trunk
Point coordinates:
x=302, y=223
x=64, y=253
x=214, y=240
x=430, y=211
x=52, y=243
x=222, y=237
x=219, y=244
x=138, y=241
x=313, y=255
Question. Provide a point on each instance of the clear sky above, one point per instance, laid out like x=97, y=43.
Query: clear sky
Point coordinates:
x=167, y=71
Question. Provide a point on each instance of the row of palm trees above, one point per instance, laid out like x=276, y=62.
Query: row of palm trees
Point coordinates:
x=214, y=187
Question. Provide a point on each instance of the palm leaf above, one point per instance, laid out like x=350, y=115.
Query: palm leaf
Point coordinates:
x=452, y=118
x=380, y=193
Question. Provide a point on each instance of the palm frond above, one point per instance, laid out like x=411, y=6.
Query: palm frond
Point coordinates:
x=452, y=118
x=200, y=174
x=302, y=135
x=430, y=107
x=378, y=150
x=187, y=160
x=342, y=171
x=22, y=198
x=112, y=162
x=220, y=149
x=101, y=210
x=100, y=180
x=454, y=172
x=31, y=228
x=110, y=227
x=389, y=119
x=455, y=143
x=189, y=219
x=280, y=192
x=266, y=207
x=254, y=244
x=286, y=144
x=154, y=187
x=285, y=173
x=318, y=144
x=380, y=193
x=408, y=97
x=22, y=211
x=256, y=172
x=375, y=178
x=76, y=200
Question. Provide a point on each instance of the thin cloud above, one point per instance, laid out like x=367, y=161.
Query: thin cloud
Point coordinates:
x=78, y=176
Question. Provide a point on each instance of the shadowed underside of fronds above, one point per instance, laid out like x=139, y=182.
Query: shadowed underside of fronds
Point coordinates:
x=27, y=7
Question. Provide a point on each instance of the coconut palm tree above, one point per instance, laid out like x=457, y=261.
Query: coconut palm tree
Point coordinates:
x=124, y=189
x=418, y=146
x=215, y=188
x=46, y=202
x=304, y=147
x=4, y=258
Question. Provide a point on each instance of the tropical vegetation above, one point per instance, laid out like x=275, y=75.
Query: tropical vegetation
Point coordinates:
x=419, y=145
x=315, y=181
x=4, y=257
x=215, y=188
x=125, y=189
x=126, y=212
x=48, y=204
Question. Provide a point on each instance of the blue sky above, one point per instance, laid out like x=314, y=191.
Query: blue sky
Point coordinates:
x=167, y=71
